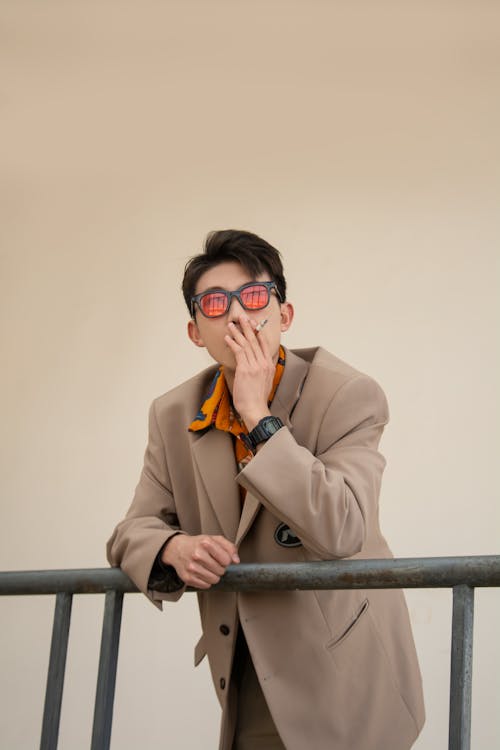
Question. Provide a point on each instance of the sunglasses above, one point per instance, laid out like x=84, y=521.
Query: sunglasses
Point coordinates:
x=252, y=296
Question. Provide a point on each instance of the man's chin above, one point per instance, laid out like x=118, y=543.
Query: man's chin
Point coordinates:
x=227, y=360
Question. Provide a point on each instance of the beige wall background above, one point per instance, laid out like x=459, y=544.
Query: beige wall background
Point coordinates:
x=362, y=140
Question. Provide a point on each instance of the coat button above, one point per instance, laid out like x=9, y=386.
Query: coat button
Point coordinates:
x=222, y=683
x=224, y=630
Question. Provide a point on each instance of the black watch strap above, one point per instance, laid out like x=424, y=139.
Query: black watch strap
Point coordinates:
x=262, y=431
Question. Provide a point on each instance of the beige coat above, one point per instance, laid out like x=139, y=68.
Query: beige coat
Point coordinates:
x=338, y=668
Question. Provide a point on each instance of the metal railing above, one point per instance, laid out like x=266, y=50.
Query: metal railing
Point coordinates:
x=462, y=574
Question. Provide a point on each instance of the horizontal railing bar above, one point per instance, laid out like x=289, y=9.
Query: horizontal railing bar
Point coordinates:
x=73, y=581
x=412, y=572
x=430, y=572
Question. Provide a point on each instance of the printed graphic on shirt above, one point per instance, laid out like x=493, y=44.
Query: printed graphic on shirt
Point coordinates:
x=285, y=537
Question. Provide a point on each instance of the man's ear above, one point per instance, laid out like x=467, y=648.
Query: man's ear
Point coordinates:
x=286, y=316
x=194, y=333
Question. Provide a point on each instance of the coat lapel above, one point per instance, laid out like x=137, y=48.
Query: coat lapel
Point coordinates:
x=283, y=404
x=290, y=388
x=251, y=507
x=216, y=478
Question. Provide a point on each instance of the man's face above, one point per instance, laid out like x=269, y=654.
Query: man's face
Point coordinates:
x=210, y=332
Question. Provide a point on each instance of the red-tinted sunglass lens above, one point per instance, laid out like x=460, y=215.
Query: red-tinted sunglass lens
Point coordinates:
x=213, y=304
x=255, y=297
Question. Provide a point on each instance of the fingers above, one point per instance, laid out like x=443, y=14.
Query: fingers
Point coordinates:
x=200, y=561
x=216, y=553
x=209, y=560
x=265, y=348
x=228, y=547
x=240, y=343
x=245, y=340
x=248, y=330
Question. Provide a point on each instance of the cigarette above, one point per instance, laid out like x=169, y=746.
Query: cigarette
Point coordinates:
x=260, y=326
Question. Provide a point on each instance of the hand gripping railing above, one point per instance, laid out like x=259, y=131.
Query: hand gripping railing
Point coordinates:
x=462, y=574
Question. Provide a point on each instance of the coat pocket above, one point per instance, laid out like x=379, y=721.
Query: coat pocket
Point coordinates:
x=348, y=627
x=199, y=651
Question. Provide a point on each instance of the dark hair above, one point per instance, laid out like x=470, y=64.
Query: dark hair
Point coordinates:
x=252, y=252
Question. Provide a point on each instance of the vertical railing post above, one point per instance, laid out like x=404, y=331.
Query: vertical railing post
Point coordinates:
x=461, y=668
x=55, y=675
x=106, y=679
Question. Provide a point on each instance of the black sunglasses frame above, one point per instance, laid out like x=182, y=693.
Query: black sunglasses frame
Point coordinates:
x=270, y=285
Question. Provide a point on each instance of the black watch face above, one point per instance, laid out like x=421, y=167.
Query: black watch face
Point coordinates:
x=272, y=426
x=264, y=430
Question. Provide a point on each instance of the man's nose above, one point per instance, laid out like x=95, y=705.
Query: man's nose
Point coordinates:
x=235, y=310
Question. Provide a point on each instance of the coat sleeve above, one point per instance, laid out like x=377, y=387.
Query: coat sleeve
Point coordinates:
x=150, y=522
x=330, y=497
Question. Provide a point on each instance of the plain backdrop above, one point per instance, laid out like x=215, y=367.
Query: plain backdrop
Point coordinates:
x=361, y=139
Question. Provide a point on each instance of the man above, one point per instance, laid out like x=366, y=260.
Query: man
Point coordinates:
x=272, y=456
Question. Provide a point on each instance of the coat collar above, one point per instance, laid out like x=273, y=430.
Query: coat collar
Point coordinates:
x=290, y=387
x=213, y=454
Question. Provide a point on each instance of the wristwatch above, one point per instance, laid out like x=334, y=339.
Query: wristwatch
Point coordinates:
x=262, y=431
